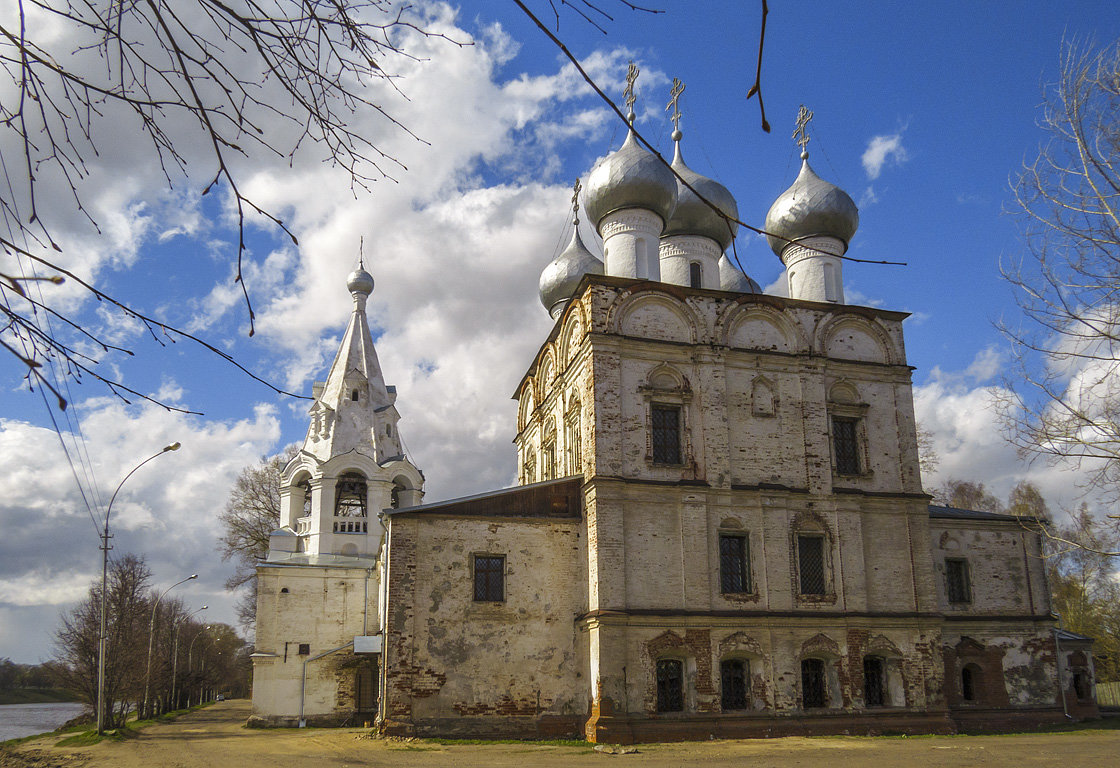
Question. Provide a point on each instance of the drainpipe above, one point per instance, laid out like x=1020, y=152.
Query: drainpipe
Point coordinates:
x=382, y=673
x=1058, y=665
x=303, y=677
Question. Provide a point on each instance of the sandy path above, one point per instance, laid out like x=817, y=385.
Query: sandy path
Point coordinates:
x=215, y=737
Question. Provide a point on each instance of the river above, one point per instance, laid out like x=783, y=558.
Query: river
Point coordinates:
x=18, y=720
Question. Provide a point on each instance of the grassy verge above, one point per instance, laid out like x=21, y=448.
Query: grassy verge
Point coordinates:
x=82, y=736
x=36, y=696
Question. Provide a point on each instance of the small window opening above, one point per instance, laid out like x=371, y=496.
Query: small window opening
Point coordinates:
x=489, y=578
x=733, y=677
x=845, y=445
x=666, y=433
x=1081, y=687
x=874, y=691
x=969, y=680
x=305, y=649
x=810, y=561
x=670, y=685
x=283, y=590
x=813, y=694
x=354, y=395
x=957, y=583
x=695, y=275
x=734, y=564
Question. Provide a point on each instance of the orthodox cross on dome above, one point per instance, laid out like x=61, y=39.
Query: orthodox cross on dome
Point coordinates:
x=804, y=116
x=628, y=91
x=361, y=252
x=675, y=104
x=575, y=201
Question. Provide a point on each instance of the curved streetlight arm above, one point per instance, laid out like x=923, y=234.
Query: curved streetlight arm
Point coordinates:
x=152, y=632
x=102, y=640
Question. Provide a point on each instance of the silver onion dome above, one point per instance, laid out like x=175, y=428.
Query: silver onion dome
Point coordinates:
x=692, y=216
x=560, y=278
x=360, y=281
x=731, y=278
x=632, y=177
x=811, y=207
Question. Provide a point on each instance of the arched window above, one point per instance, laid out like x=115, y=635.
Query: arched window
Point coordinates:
x=670, y=685
x=572, y=438
x=970, y=682
x=734, y=674
x=874, y=682
x=814, y=694
x=304, y=487
x=695, y=275
x=350, y=496
x=395, y=496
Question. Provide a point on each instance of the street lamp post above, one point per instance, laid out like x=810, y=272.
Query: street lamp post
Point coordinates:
x=103, y=640
x=151, y=635
x=175, y=652
x=190, y=663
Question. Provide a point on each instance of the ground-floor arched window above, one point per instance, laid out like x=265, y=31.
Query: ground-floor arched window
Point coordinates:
x=670, y=685
x=814, y=692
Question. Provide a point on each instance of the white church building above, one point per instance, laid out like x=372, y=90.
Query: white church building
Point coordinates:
x=719, y=527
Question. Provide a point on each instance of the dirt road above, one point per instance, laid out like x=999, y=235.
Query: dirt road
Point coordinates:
x=215, y=737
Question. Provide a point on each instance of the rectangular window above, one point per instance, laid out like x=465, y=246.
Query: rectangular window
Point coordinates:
x=733, y=675
x=489, y=578
x=666, y=433
x=813, y=694
x=845, y=445
x=873, y=682
x=670, y=686
x=957, y=584
x=734, y=564
x=810, y=562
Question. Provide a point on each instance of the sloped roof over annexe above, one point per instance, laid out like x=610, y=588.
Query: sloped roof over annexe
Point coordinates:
x=556, y=499
x=955, y=513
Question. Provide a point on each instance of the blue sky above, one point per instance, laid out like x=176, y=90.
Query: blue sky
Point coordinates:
x=950, y=91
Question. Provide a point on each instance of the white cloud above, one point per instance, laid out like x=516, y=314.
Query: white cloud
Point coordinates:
x=882, y=151
x=868, y=197
x=959, y=409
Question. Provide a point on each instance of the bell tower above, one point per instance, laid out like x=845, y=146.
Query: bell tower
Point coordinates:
x=352, y=464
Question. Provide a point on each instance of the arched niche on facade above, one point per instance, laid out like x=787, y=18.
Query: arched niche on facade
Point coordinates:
x=759, y=327
x=649, y=315
x=525, y=405
x=572, y=336
x=764, y=397
x=851, y=337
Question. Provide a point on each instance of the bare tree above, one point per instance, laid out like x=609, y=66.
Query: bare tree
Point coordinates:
x=966, y=494
x=127, y=628
x=226, y=79
x=1063, y=397
x=1086, y=594
x=252, y=512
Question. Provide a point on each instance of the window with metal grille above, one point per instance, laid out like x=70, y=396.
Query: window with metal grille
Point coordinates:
x=813, y=694
x=957, y=586
x=666, y=433
x=873, y=687
x=734, y=564
x=365, y=688
x=350, y=496
x=733, y=675
x=695, y=275
x=575, y=457
x=845, y=445
x=489, y=578
x=810, y=562
x=670, y=685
